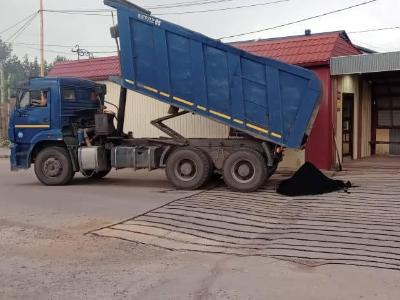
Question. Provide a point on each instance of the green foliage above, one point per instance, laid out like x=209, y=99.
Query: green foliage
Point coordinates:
x=5, y=51
x=58, y=59
x=17, y=70
x=4, y=142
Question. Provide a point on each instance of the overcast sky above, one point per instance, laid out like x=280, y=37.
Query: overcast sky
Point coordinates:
x=92, y=32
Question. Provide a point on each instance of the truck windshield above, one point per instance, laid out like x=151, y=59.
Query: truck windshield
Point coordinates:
x=35, y=98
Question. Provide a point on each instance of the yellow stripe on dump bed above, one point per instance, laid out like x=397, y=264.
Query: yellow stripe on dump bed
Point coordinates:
x=277, y=135
x=183, y=101
x=165, y=94
x=263, y=130
x=220, y=114
x=238, y=121
x=129, y=81
x=31, y=126
x=201, y=107
x=149, y=88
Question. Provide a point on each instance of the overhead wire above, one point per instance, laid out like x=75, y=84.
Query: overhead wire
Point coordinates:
x=374, y=29
x=186, y=4
x=98, y=12
x=62, y=45
x=221, y=9
x=19, y=22
x=300, y=20
x=104, y=12
x=77, y=12
x=51, y=51
x=17, y=33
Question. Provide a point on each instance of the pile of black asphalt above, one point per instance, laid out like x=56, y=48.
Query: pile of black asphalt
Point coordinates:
x=309, y=180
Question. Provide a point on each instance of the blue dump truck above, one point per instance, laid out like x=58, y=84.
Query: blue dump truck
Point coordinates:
x=62, y=127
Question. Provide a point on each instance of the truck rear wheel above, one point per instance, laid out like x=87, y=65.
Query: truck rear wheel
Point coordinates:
x=245, y=170
x=188, y=168
x=53, y=166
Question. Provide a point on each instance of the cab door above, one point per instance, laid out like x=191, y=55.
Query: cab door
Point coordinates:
x=32, y=115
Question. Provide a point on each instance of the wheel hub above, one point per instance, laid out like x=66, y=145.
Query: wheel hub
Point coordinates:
x=52, y=167
x=243, y=171
x=186, y=170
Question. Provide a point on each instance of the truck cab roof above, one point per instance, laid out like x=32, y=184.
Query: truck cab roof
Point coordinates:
x=65, y=81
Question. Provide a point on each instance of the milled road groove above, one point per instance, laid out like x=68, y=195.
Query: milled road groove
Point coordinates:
x=360, y=228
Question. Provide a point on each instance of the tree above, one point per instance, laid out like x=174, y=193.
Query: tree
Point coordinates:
x=34, y=68
x=59, y=58
x=5, y=51
x=14, y=67
x=20, y=70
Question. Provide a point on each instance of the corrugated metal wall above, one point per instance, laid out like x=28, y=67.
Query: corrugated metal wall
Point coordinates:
x=366, y=103
x=140, y=110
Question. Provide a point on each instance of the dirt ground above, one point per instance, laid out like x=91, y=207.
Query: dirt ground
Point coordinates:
x=47, y=253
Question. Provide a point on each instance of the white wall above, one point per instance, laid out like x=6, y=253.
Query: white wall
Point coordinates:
x=140, y=110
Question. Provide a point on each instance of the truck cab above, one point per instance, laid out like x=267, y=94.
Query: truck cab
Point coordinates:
x=49, y=112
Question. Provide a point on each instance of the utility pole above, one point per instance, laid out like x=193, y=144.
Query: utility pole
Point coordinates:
x=3, y=98
x=41, y=40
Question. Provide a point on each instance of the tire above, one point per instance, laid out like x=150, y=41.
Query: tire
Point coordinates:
x=188, y=168
x=53, y=166
x=245, y=170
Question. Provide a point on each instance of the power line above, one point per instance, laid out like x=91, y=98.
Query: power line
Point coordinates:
x=186, y=4
x=21, y=29
x=99, y=12
x=62, y=45
x=77, y=12
x=19, y=22
x=51, y=51
x=375, y=29
x=301, y=20
x=103, y=52
x=222, y=9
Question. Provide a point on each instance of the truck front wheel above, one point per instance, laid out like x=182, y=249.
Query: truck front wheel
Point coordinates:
x=245, y=170
x=53, y=166
x=188, y=168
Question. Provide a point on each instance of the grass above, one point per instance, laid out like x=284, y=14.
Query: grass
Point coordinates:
x=4, y=142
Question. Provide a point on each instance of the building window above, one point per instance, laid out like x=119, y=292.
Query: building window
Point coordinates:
x=388, y=109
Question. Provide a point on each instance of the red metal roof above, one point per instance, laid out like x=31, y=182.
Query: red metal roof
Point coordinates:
x=304, y=50
x=93, y=69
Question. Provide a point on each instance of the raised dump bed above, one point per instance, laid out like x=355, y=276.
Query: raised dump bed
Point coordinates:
x=262, y=97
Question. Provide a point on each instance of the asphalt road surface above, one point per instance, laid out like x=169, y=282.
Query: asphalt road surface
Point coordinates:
x=46, y=253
